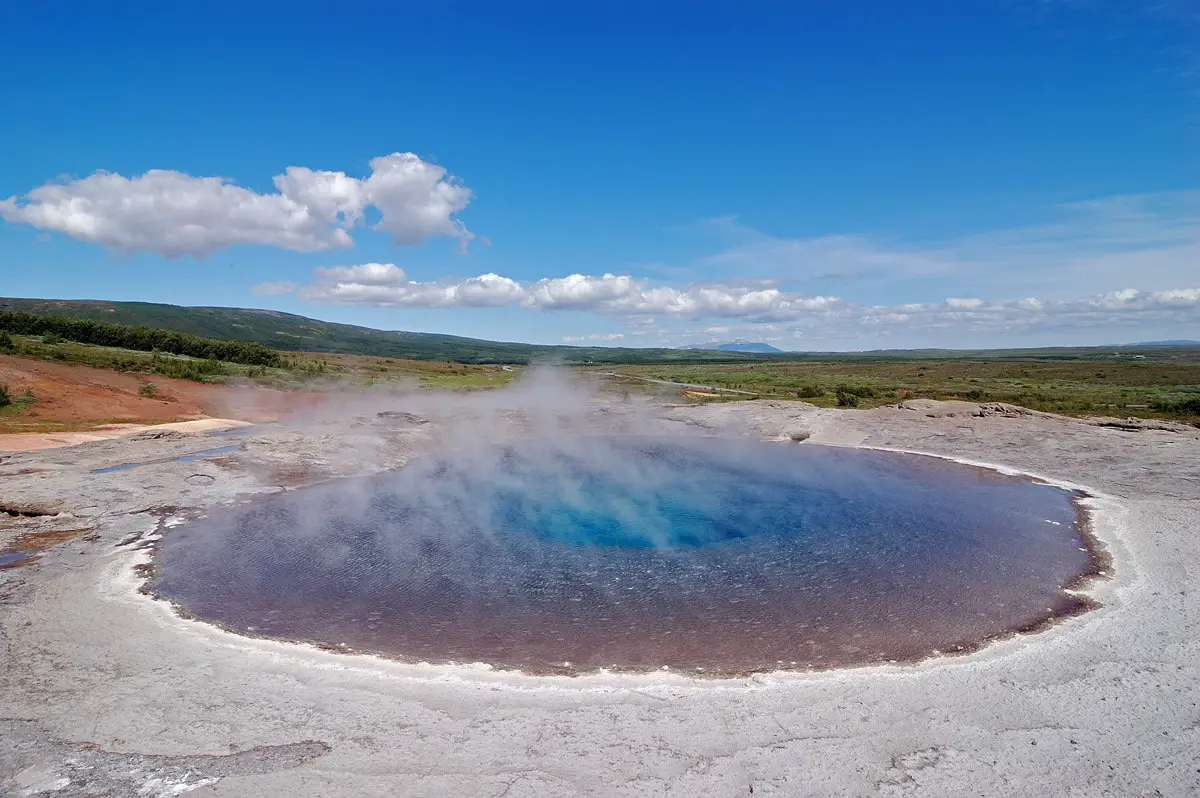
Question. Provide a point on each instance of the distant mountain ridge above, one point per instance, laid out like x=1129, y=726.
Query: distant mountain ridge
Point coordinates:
x=739, y=345
x=1178, y=342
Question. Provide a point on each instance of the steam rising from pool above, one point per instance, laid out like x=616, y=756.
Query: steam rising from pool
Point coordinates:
x=636, y=552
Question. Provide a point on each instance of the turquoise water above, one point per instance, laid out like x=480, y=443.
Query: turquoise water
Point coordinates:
x=632, y=553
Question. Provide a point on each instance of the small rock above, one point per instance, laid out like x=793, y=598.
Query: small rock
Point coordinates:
x=158, y=435
x=400, y=415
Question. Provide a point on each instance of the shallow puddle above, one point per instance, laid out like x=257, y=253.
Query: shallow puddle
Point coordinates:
x=187, y=458
x=13, y=559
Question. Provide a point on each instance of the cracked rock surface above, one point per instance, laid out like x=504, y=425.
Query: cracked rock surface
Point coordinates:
x=105, y=691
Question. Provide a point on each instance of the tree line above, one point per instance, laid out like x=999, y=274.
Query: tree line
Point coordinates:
x=142, y=338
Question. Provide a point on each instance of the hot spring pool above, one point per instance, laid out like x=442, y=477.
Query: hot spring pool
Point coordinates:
x=699, y=554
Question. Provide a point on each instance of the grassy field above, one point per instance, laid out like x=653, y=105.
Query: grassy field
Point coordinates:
x=133, y=360
x=298, y=369
x=1120, y=386
x=426, y=373
x=66, y=400
x=1159, y=384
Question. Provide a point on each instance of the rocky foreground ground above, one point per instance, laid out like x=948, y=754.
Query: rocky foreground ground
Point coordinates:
x=105, y=691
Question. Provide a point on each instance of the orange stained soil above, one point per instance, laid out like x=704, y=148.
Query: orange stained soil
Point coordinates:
x=73, y=397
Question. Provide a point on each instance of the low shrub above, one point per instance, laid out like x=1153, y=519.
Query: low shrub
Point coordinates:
x=846, y=399
x=196, y=370
x=1181, y=407
x=860, y=391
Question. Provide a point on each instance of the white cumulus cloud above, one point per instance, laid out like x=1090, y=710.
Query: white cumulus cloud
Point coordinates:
x=416, y=199
x=582, y=291
x=364, y=274
x=385, y=284
x=640, y=304
x=174, y=213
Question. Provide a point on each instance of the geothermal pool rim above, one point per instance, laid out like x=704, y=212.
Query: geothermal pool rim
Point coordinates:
x=1103, y=561
x=1084, y=501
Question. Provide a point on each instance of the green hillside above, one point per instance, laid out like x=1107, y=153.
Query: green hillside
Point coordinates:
x=290, y=332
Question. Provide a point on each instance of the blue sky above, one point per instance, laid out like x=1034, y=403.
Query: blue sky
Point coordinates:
x=819, y=175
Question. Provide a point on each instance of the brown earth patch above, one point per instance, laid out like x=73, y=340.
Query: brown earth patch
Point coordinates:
x=36, y=540
x=24, y=545
x=74, y=397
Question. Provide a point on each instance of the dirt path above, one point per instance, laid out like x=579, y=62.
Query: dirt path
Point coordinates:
x=36, y=441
